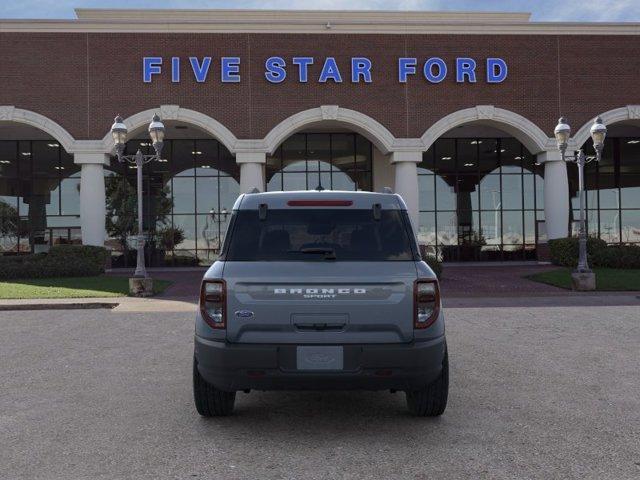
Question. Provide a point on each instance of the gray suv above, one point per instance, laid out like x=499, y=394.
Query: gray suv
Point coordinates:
x=320, y=290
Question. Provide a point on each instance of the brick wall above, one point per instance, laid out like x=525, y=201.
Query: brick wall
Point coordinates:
x=81, y=80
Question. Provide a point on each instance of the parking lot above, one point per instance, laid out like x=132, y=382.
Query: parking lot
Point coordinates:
x=536, y=392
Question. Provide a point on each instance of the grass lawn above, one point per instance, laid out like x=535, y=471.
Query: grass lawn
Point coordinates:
x=71, y=287
x=606, y=278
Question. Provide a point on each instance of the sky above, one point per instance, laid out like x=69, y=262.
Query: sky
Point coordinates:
x=542, y=10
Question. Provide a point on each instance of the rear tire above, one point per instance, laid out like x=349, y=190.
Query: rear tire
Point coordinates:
x=432, y=401
x=210, y=402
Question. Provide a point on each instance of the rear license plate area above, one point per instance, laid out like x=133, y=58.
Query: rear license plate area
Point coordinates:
x=319, y=358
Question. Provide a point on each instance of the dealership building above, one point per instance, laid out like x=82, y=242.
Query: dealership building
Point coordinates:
x=454, y=111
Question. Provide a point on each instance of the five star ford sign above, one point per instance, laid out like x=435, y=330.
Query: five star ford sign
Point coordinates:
x=361, y=69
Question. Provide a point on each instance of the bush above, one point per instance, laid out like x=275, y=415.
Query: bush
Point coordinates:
x=617, y=256
x=60, y=261
x=564, y=251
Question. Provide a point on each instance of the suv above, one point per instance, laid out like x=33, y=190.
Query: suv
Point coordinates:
x=319, y=290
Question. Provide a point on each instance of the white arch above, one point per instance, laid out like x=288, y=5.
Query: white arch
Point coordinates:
x=177, y=113
x=382, y=138
x=10, y=113
x=528, y=133
x=630, y=112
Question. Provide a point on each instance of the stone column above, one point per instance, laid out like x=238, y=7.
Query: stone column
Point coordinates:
x=251, y=170
x=406, y=181
x=92, y=197
x=556, y=194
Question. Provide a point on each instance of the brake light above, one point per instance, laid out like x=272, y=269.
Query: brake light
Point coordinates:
x=426, y=301
x=320, y=203
x=213, y=296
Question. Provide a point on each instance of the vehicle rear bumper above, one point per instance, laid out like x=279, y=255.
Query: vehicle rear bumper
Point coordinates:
x=232, y=367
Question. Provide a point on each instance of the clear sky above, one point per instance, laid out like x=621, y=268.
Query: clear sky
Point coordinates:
x=542, y=10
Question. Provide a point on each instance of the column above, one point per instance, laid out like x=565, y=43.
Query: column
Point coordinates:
x=251, y=170
x=92, y=197
x=556, y=194
x=406, y=181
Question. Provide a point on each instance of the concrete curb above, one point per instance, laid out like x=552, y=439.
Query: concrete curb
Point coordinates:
x=57, y=306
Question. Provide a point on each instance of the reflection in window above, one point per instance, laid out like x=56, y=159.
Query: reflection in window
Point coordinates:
x=333, y=161
x=188, y=197
x=613, y=192
x=39, y=196
x=485, y=199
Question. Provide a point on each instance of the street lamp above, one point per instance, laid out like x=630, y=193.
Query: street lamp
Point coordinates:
x=562, y=133
x=119, y=133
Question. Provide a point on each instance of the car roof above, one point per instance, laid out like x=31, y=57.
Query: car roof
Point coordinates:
x=280, y=200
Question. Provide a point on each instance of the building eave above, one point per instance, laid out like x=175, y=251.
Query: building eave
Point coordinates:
x=313, y=22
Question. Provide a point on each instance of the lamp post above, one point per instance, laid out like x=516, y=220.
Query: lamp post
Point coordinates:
x=156, y=133
x=583, y=277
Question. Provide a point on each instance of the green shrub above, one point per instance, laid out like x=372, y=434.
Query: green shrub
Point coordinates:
x=617, y=256
x=60, y=261
x=564, y=251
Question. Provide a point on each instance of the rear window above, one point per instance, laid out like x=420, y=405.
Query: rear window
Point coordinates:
x=319, y=234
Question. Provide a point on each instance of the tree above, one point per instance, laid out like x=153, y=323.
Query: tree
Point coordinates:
x=122, y=209
x=10, y=224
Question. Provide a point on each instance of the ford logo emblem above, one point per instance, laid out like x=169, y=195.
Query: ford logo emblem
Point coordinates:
x=244, y=314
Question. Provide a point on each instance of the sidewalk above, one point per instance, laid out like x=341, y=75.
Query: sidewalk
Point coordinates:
x=463, y=286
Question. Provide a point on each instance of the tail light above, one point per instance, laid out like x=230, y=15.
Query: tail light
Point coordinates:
x=426, y=300
x=213, y=298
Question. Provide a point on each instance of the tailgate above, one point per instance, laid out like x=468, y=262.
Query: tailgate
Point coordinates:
x=320, y=302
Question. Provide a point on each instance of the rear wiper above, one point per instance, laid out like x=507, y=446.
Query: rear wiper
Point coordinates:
x=329, y=253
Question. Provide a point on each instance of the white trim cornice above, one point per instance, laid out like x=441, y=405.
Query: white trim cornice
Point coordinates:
x=528, y=133
x=10, y=113
x=177, y=113
x=377, y=133
x=622, y=114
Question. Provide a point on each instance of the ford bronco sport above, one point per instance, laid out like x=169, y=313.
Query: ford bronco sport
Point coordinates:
x=320, y=290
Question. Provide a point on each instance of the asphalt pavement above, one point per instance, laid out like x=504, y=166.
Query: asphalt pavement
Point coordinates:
x=537, y=392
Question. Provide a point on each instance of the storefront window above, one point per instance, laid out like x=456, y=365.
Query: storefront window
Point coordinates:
x=485, y=205
x=613, y=192
x=39, y=196
x=188, y=197
x=333, y=161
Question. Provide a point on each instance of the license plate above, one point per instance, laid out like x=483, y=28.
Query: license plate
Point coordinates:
x=319, y=358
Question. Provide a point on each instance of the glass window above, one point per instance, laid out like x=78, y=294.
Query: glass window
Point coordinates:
x=70, y=196
x=427, y=228
x=608, y=191
x=334, y=161
x=488, y=155
x=630, y=223
x=445, y=156
x=630, y=191
x=313, y=234
x=512, y=229
x=8, y=159
x=183, y=155
x=426, y=192
x=490, y=198
x=512, y=192
x=445, y=193
x=467, y=154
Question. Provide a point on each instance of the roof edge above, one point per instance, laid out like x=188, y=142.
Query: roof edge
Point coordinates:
x=294, y=16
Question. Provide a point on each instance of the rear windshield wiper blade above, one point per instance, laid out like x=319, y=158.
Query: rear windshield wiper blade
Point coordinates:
x=329, y=253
